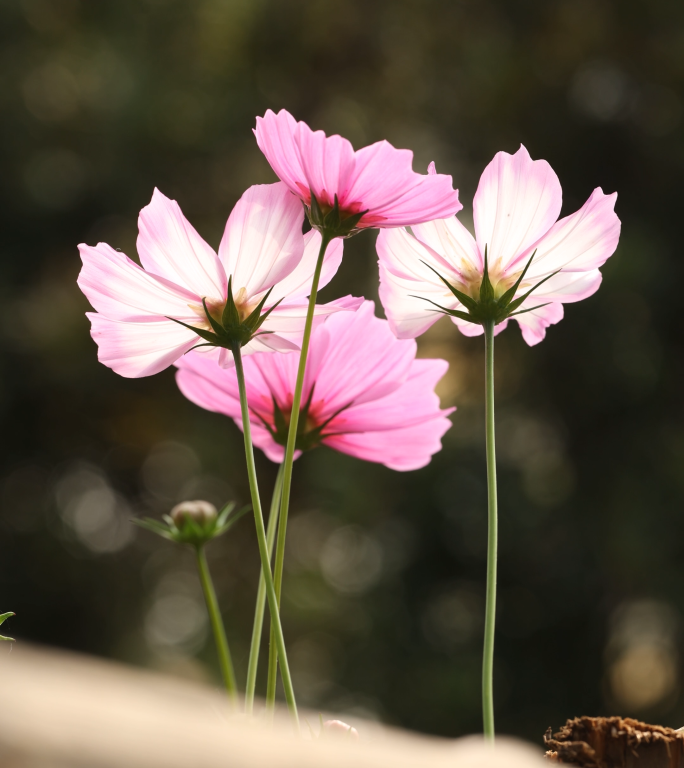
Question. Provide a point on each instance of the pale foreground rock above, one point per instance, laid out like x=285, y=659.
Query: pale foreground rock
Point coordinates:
x=66, y=711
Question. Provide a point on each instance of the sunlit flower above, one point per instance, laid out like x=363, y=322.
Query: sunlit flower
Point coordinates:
x=377, y=181
x=515, y=213
x=365, y=393
x=149, y=316
x=337, y=728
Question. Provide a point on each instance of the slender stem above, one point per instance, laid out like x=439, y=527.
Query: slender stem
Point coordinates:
x=261, y=538
x=217, y=625
x=289, y=459
x=490, y=609
x=261, y=596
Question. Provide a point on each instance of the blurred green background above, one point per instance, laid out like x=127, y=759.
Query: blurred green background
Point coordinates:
x=102, y=101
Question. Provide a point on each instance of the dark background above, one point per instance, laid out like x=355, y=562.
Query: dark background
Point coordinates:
x=101, y=102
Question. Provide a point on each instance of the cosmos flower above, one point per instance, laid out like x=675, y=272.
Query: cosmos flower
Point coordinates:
x=515, y=213
x=147, y=317
x=365, y=393
x=374, y=187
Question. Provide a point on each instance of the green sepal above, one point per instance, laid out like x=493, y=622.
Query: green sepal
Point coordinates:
x=3, y=619
x=489, y=308
x=190, y=531
x=332, y=223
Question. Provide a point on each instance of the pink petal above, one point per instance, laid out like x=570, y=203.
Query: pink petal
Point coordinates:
x=298, y=283
x=566, y=287
x=533, y=324
x=452, y=241
x=378, y=178
x=136, y=349
x=263, y=240
x=579, y=242
x=288, y=319
x=169, y=246
x=121, y=290
x=473, y=329
x=401, y=449
x=364, y=361
x=408, y=285
x=384, y=182
x=517, y=201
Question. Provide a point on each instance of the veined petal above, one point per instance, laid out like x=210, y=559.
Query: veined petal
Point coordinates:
x=365, y=361
x=298, y=283
x=136, y=349
x=263, y=240
x=566, y=287
x=121, y=290
x=384, y=182
x=517, y=201
x=169, y=246
x=408, y=285
x=276, y=136
x=288, y=318
x=452, y=240
x=401, y=449
x=378, y=178
x=579, y=242
x=533, y=324
x=473, y=329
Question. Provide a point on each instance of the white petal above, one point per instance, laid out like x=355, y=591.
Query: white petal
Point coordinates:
x=263, y=240
x=517, y=201
x=168, y=245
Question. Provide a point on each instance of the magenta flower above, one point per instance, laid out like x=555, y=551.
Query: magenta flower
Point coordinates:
x=365, y=393
x=147, y=317
x=377, y=181
x=515, y=212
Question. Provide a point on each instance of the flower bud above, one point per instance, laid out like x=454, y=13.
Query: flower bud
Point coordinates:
x=201, y=512
x=337, y=728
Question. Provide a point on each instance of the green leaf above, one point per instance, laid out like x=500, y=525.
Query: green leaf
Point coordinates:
x=232, y=520
x=154, y=526
x=3, y=618
x=230, y=317
x=225, y=513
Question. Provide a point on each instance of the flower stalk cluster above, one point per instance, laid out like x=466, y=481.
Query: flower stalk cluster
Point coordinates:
x=244, y=329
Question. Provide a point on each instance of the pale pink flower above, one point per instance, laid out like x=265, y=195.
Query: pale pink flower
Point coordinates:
x=378, y=179
x=515, y=213
x=365, y=393
x=262, y=248
x=338, y=728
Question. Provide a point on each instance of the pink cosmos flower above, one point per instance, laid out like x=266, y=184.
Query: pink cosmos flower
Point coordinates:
x=378, y=179
x=365, y=393
x=262, y=249
x=515, y=212
x=337, y=728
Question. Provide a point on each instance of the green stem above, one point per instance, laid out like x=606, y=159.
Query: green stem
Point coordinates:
x=490, y=608
x=274, y=652
x=225, y=660
x=261, y=597
x=261, y=537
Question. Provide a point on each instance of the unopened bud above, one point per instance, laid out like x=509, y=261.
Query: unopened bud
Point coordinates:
x=338, y=728
x=201, y=512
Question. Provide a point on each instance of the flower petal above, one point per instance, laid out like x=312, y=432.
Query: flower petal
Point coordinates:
x=533, y=324
x=579, y=242
x=169, y=246
x=136, y=349
x=566, y=287
x=263, y=240
x=378, y=178
x=298, y=283
x=408, y=285
x=121, y=290
x=517, y=201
